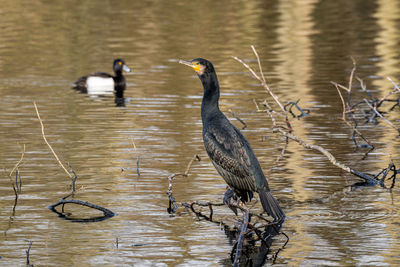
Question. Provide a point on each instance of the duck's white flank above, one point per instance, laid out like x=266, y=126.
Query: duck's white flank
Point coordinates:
x=100, y=85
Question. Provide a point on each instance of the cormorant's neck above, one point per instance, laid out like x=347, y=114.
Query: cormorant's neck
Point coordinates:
x=209, y=105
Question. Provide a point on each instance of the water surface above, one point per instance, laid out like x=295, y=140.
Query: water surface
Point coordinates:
x=45, y=46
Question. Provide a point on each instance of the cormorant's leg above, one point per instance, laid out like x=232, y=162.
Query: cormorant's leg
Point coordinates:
x=229, y=198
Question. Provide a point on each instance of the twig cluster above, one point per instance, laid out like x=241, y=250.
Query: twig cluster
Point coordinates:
x=367, y=110
x=286, y=130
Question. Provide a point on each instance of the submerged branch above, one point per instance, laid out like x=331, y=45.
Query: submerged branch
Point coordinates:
x=106, y=212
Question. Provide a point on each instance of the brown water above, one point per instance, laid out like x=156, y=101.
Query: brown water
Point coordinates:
x=46, y=45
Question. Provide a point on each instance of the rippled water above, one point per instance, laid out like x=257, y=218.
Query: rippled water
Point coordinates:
x=45, y=46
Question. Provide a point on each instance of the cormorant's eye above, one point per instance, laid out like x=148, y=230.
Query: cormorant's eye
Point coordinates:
x=197, y=63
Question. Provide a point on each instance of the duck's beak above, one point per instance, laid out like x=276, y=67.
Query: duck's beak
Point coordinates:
x=190, y=64
x=126, y=68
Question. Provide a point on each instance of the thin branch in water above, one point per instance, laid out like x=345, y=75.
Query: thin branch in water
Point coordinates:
x=73, y=178
x=28, y=263
x=380, y=115
x=17, y=183
x=45, y=139
x=106, y=212
x=303, y=112
x=239, y=119
x=354, y=128
x=368, y=178
x=265, y=85
x=364, y=88
x=351, y=81
x=394, y=84
x=19, y=162
x=259, y=63
x=195, y=156
x=239, y=244
x=281, y=248
x=172, y=206
x=137, y=158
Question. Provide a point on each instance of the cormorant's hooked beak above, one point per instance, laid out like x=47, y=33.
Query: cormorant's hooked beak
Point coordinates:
x=196, y=67
x=126, y=68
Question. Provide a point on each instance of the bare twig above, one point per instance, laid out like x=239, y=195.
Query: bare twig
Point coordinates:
x=73, y=178
x=195, y=156
x=344, y=118
x=137, y=158
x=28, y=264
x=281, y=248
x=368, y=178
x=380, y=115
x=394, y=84
x=239, y=244
x=303, y=112
x=17, y=183
x=172, y=206
x=264, y=84
x=45, y=139
x=239, y=119
x=19, y=162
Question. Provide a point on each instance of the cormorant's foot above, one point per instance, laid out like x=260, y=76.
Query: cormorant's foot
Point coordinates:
x=229, y=198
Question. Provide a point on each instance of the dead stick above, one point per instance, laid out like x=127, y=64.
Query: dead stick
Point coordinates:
x=331, y=158
x=195, y=156
x=239, y=119
x=19, y=162
x=380, y=115
x=239, y=245
x=394, y=84
x=137, y=158
x=263, y=83
x=345, y=119
x=44, y=137
x=27, y=254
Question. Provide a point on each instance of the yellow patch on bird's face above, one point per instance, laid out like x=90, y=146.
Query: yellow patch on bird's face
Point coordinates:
x=119, y=62
x=199, y=68
x=196, y=66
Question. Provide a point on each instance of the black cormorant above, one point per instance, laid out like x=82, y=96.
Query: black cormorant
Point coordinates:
x=227, y=148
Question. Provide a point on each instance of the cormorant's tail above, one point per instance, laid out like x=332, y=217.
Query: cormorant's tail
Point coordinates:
x=271, y=206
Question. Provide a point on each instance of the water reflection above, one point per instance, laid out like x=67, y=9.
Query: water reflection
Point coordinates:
x=303, y=45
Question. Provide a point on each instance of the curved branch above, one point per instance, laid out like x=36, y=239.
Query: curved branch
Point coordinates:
x=106, y=212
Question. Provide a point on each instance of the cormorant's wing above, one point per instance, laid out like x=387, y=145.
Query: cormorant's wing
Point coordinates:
x=227, y=149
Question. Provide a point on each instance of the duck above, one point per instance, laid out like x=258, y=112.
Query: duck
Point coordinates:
x=227, y=148
x=102, y=83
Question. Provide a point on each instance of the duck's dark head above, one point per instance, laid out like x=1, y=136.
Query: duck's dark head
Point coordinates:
x=202, y=66
x=119, y=65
